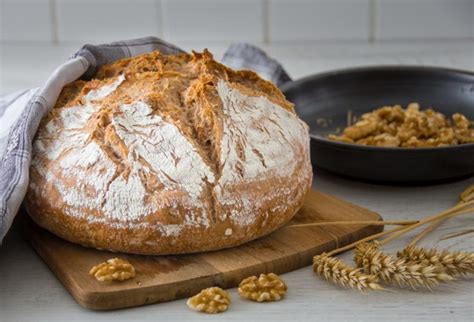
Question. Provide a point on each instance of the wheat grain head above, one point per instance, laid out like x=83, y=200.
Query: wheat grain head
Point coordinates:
x=454, y=263
x=338, y=272
x=398, y=271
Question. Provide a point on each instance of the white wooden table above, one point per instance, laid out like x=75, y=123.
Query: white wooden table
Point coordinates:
x=30, y=292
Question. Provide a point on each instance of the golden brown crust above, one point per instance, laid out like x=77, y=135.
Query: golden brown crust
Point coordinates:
x=145, y=241
x=180, y=91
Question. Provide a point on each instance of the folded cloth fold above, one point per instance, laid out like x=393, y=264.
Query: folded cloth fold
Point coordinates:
x=21, y=112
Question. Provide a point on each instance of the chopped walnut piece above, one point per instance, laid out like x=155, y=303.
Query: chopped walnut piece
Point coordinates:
x=361, y=129
x=460, y=121
x=392, y=126
x=386, y=140
x=341, y=138
x=115, y=269
x=210, y=300
x=265, y=288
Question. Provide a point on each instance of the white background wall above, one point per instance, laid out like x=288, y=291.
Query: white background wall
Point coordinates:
x=306, y=36
x=258, y=21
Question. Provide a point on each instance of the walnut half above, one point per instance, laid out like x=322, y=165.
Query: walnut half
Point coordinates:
x=265, y=288
x=115, y=269
x=210, y=300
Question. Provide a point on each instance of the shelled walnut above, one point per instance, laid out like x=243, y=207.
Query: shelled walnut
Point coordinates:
x=210, y=300
x=265, y=288
x=114, y=269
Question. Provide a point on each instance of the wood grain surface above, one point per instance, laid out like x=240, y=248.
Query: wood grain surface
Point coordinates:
x=165, y=278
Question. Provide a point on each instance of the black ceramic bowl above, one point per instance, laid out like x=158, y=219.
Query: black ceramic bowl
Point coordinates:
x=330, y=96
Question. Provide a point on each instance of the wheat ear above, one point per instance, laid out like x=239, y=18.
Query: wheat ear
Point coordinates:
x=338, y=272
x=398, y=271
x=454, y=263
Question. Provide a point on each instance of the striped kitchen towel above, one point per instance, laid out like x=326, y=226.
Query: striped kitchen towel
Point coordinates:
x=21, y=112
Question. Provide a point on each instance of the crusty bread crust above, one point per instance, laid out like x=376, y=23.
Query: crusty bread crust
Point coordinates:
x=167, y=155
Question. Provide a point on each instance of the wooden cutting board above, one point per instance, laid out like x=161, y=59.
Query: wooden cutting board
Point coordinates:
x=165, y=278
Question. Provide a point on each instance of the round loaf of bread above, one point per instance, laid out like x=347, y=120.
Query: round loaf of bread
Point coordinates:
x=166, y=155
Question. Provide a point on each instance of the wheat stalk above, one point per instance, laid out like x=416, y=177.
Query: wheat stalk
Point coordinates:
x=366, y=239
x=435, y=224
x=467, y=195
x=457, y=234
x=453, y=263
x=338, y=272
x=357, y=222
x=459, y=209
x=399, y=271
x=403, y=229
x=426, y=231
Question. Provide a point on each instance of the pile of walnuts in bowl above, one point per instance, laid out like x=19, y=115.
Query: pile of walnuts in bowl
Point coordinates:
x=393, y=126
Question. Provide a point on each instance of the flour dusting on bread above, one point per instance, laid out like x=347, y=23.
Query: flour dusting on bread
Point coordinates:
x=168, y=154
x=165, y=150
x=268, y=137
x=105, y=90
x=155, y=147
x=260, y=139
